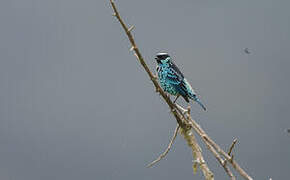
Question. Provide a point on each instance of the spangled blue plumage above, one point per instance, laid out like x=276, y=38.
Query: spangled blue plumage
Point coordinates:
x=172, y=80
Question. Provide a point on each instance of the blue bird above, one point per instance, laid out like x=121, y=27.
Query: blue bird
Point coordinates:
x=172, y=80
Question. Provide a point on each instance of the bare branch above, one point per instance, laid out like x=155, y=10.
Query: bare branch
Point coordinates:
x=221, y=161
x=167, y=149
x=175, y=111
x=209, y=142
x=216, y=155
x=184, y=123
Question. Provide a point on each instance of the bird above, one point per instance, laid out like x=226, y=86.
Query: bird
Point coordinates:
x=173, y=81
x=246, y=50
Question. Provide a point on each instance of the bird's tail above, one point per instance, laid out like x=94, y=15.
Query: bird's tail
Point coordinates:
x=196, y=99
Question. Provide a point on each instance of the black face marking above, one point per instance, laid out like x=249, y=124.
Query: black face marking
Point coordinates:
x=161, y=56
x=158, y=60
x=175, y=68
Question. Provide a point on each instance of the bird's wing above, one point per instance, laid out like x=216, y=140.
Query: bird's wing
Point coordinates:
x=177, y=71
x=177, y=79
x=174, y=75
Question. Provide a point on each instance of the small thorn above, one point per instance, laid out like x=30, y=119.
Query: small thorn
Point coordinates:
x=154, y=78
x=114, y=14
x=131, y=28
x=157, y=89
x=132, y=48
x=188, y=109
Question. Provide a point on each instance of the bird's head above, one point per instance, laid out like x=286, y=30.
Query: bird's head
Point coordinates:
x=162, y=58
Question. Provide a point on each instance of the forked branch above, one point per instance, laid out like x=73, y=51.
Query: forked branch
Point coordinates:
x=185, y=123
x=230, y=150
x=175, y=111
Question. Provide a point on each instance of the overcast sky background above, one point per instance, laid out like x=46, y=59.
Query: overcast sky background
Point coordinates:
x=75, y=104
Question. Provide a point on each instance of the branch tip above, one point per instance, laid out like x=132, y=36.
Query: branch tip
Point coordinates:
x=167, y=149
x=232, y=146
x=132, y=48
x=130, y=28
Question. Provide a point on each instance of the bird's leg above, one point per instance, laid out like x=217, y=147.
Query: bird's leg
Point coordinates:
x=176, y=98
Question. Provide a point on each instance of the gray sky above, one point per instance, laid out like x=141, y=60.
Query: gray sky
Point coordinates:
x=75, y=103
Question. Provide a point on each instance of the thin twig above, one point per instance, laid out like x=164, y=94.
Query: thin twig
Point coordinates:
x=167, y=149
x=221, y=161
x=230, y=150
x=232, y=146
